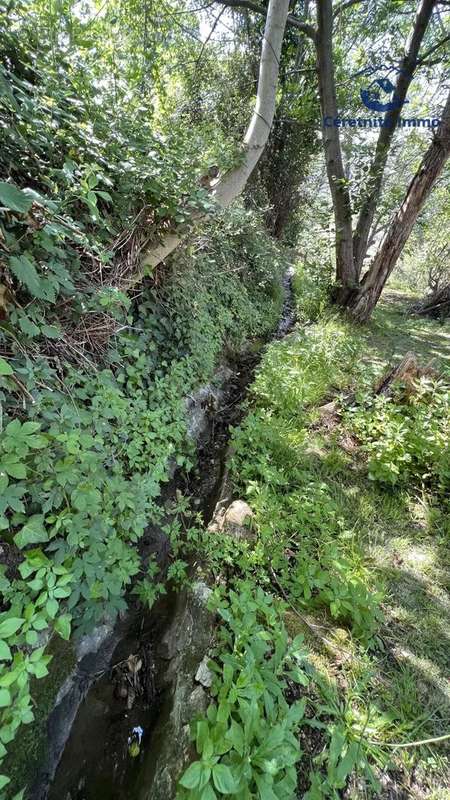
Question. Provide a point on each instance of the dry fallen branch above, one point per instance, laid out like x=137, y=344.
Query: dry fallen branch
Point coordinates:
x=85, y=342
x=407, y=371
x=436, y=305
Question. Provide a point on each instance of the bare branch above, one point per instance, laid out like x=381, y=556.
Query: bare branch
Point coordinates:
x=343, y=6
x=213, y=27
x=304, y=27
x=433, y=49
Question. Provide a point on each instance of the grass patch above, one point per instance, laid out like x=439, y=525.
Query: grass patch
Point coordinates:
x=360, y=560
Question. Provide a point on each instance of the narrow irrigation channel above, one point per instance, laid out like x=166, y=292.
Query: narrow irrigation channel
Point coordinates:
x=119, y=729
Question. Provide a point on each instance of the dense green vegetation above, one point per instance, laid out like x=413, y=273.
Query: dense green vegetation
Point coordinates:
x=93, y=381
x=125, y=125
x=350, y=513
x=83, y=470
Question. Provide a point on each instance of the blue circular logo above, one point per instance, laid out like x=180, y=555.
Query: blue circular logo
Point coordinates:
x=380, y=94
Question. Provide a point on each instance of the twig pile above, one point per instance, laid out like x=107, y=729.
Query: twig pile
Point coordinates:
x=436, y=305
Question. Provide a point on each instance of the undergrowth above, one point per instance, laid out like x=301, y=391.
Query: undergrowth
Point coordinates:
x=327, y=487
x=86, y=450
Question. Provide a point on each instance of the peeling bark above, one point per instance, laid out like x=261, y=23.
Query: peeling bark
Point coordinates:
x=433, y=162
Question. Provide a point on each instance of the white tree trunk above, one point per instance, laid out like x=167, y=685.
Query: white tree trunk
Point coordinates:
x=233, y=182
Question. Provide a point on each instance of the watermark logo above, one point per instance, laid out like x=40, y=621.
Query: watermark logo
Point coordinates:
x=380, y=94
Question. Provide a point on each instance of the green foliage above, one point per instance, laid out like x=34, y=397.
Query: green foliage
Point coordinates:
x=297, y=373
x=406, y=434
x=92, y=384
x=303, y=538
x=247, y=743
x=82, y=472
x=318, y=527
x=312, y=285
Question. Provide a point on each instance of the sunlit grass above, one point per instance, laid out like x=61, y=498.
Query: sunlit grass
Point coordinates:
x=396, y=691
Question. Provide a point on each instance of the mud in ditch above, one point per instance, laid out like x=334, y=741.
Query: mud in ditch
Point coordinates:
x=101, y=759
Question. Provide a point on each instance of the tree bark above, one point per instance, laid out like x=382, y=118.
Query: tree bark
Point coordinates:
x=233, y=182
x=346, y=276
x=433, y=162
x=375, y=178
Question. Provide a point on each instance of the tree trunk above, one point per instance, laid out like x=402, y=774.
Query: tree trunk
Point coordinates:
x=346, y=276
x=377, y=167
x=433, y=162
x=233, y=182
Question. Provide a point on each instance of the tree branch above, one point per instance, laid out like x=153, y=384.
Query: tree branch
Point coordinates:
x=343, y=6
x=405, y=74
x=304, y=27
x=402, y=223
x=432, y=50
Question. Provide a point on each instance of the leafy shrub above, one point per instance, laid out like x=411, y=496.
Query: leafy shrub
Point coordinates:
x=247, y=743
x=85, y=451
x=406, y=434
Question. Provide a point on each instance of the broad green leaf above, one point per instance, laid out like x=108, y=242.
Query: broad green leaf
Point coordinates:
x=235, y=735
x=62, y=591
x=52, y=607
x=30, y=427
x=5, y=698
x=39, y=670
x=202, y=735
x=51, y=331
x=28, y=326
x=104, y=195
x=14, y=468
x=223, y=779
x=36, y=655
x=62, y=626
x=10, y=626
x=31, y=638
x=5, y=368
x=5, y=652
x=346, y=764
x=192, y=777
x=4, y=780
x=25, y=272
x=13, y=198
x=265, y=791
x=33, y=532
x=208, y=793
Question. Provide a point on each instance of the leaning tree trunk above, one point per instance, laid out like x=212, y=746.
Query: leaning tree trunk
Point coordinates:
x=233, y=182
x=375, y=179
x=433, y=162
x=346, y=277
